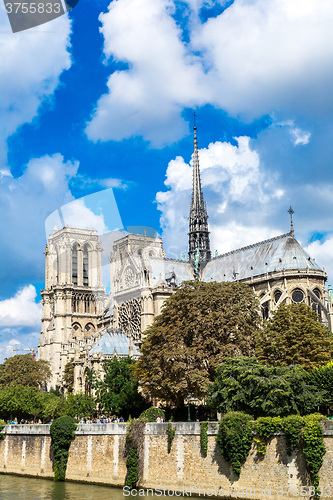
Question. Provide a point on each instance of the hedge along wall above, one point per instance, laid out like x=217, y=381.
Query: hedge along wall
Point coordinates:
x=97, y=454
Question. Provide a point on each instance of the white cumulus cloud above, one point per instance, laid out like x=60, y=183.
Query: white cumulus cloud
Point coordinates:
x=31, y=63
x=76, y=214
x=162, y=78
x=21, y=310
x=257, y=57
x=25, y=203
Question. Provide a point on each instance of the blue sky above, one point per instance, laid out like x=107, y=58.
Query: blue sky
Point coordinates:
x=103, y=98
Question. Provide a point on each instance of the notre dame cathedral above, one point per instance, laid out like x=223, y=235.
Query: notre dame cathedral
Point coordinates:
x=81, y=323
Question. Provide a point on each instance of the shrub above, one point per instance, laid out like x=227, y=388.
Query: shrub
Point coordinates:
x=265, y=427
x=313, y=447
x=132, y=467
x=151, y=414
x=292, y=426
x=235, y=438
x=62, y=433
x=171, y=434
x=204, y=437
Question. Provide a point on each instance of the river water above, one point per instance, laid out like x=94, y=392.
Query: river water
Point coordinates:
x=26, y=488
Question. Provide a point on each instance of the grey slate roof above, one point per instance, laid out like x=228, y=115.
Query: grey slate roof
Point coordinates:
x=276, y=254
x=114, y=342
x=162, y=268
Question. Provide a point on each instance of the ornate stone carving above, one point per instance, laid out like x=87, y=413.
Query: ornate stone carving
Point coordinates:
x=129, y=277
x=130, y=318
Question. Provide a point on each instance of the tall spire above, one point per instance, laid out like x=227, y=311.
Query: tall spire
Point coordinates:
x=199, y=244
x=291, y=212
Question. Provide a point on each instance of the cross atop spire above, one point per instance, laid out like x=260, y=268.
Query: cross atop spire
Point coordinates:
x=199, y=244
x=291, y=212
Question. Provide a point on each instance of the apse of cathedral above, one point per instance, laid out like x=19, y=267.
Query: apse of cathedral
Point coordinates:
x=83, y=324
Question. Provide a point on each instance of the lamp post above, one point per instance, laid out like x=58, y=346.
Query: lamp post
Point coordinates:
x=77, y=411
x=188, y=409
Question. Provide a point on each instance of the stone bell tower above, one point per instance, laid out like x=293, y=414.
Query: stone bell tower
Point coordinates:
x=73, y=297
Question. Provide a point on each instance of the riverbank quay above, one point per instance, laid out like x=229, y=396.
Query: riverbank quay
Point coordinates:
x=98, y=455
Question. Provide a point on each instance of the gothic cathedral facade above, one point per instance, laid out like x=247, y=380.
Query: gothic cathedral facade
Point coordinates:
x=81, y=323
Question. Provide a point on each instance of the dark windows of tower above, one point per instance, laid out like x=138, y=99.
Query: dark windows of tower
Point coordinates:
x=74, y=264
x=85, y=266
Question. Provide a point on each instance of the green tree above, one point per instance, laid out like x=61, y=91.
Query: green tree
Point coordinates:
x=243, y=384
x=53, y=406
x=21, y=402
x=118, y=391
x=83, y=404
x=24, y=369
x=294, y=336
x=69, y=376
x=200, y=325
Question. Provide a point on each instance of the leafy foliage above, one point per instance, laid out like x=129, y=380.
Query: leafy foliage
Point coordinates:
x=265, y=427
x=200, y=325
x=151, y=414
x=118, y=392
x=132, y=467
x=69, y=376
x=313, y=447
x=235, y=438
x=243, y=384
x=296, y=427
x=294, y=336
x=29, y=402
x=292, y=426
x=21, y=401
x=2, y=425
x=62, y=433
x=171, y=435
x=23, y=369
x=84, y=408
x=322, y=378
x=204, y=437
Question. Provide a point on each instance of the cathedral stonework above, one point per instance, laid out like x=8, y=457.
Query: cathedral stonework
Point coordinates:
x=81, y=323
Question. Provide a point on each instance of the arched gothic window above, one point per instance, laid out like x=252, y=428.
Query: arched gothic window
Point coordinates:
x=265, y=310
x=85, y=266
x=74, y=264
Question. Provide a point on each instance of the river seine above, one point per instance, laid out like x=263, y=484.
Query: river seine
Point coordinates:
x=26, y=488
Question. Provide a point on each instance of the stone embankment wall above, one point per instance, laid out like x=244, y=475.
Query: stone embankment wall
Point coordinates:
x=98, y=455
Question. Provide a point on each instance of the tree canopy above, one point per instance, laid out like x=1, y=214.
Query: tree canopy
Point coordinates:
x=200, y=325
x=294, y=336
x=24, y=369
x=243, y=384
x=118, y=391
